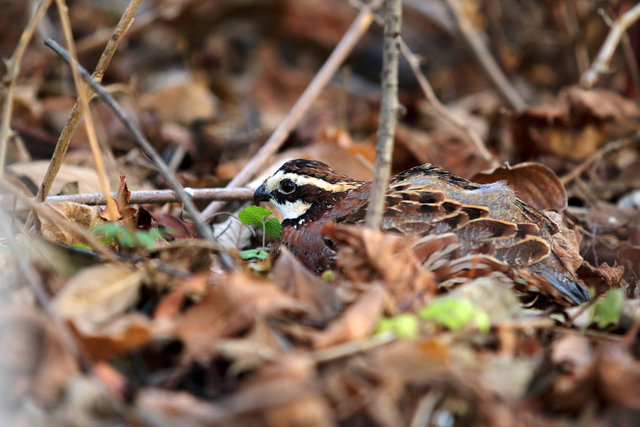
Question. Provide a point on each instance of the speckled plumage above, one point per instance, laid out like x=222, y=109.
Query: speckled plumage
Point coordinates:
x=487, y=221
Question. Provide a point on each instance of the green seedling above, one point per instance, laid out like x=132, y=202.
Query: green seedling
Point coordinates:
x=257, y=215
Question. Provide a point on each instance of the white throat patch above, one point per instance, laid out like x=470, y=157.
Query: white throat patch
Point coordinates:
x=292, y=210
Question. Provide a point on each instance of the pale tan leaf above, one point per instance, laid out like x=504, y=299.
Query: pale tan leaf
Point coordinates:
x=81, y=215
x=97, y=293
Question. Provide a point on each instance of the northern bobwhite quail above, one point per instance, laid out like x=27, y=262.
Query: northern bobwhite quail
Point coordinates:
x=488, y=219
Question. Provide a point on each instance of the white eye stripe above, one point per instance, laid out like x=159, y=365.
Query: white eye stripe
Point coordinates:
x=274, y=181
x=292, y=210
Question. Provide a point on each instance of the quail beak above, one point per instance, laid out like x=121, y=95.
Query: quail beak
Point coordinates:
x=261, y=195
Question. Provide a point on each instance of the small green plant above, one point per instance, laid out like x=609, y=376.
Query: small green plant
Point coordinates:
x=607, y=310
x=403, y=325
x=110, y=232
x=257, y=215
x=455, y=313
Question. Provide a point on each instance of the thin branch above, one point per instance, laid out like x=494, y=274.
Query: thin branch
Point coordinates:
x=13, y=69
x=601, y=65
x=202, y=228
x=74, y=118
x=83, y=97
x=320, y=80
x=489, y=65
x=388, y=112
x=440, y=109
x=160, y=196
x=594, y=157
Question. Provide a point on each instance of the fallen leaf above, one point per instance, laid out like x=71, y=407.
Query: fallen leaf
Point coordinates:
x=83, y=216
x=230, y=306
x=534, y=183
x=85, y=176
x=357, y=322
x=305, y=287
x=367, y=255
x=36, y=363
x=619, y=375
x=602, y=278
x=120, y=336
x=98, y=293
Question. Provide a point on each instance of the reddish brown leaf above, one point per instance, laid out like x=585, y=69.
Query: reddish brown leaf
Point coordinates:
x=602, y=278
x=534, y=183
x=357, y=322
x=305, y=287
x=119, y=337
x=230, y=306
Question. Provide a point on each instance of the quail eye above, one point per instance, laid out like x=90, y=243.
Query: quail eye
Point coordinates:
x=287, y=186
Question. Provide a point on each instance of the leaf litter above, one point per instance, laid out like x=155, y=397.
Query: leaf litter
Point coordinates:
x=399, y=333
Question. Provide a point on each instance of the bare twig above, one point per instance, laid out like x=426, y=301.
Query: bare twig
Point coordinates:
x=13, y=68
x=489, y=65
x=344, y=47
x=160, y=196
x=440, y=109
x=185, y=199
x=601, y=64
x=72, y=122
x=83, y=97
x=594, y=157
x=388, y=112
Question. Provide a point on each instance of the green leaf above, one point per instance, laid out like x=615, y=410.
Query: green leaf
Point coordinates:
x=607, y=310
x=109, y=230
x=253, y=253
x=126, y=238
x=455, y=313
x=403, y=325
x=273, y=228
x=81, y=246
x=144, y=238
x=253, y=215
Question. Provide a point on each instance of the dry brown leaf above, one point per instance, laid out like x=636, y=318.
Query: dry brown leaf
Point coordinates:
x=575, y=123
x=35, y=361
x=367, y=255
x=307, y=288
x=357, y=322
x=576, y=361
x=125, y=213
x=155, y=406
x=619, y=375
x=630, y=258
x=231, y=305
x=566, y=243
x=602, y=278
x=85, y=176
x=183, y=102
x=169, y=306
x=118, y=337
x=534, y=183
x=98, y=293
x=81, y=215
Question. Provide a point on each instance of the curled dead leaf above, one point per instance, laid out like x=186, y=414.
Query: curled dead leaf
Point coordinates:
x=81, y=215
x=229, y=307
x=534, y=183
x=119, y=337
x=307, y=288
x=368, y=255
x=357, y=322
